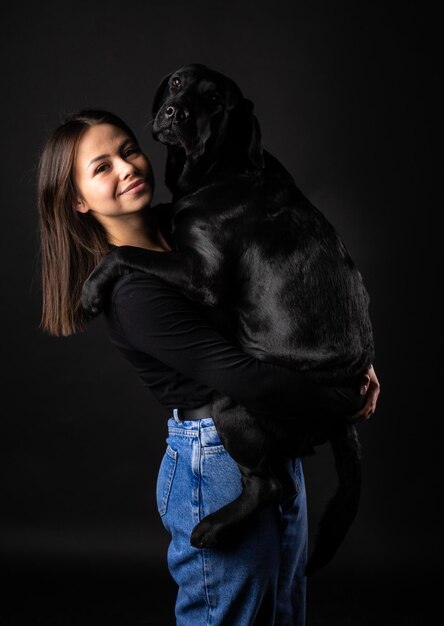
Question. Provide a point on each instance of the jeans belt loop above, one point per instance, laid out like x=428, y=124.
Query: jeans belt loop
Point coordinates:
x=176, y=414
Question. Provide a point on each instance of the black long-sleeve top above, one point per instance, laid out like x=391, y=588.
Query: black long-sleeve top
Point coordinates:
x=182, y=359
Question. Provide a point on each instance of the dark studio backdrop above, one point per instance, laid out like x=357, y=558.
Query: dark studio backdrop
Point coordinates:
x=344, y=93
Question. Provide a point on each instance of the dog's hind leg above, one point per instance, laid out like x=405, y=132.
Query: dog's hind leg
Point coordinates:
x=246, y=441
x=261, y=488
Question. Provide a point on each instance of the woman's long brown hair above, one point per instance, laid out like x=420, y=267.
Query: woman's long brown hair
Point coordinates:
x=71, y=243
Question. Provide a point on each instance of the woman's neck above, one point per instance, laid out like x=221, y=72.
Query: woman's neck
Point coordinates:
x=139, y=229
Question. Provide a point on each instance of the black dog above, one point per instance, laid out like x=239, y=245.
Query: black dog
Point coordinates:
x=249, y=241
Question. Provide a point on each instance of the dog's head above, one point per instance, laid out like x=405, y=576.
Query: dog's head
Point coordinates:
x=204, y=113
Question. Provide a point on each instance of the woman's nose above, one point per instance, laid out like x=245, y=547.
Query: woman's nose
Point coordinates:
x=126, y=169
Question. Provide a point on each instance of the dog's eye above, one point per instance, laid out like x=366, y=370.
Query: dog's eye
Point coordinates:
x=214, y=97
x=175, y=83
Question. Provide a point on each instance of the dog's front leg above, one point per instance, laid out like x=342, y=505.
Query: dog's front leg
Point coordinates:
x=185, y=271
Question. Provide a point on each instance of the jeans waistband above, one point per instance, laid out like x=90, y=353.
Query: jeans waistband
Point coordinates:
x=203, y=430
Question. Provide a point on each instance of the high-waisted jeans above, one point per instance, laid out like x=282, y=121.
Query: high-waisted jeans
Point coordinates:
x=260, y=580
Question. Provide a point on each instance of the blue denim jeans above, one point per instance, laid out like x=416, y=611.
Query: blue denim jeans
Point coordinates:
x=260, y=580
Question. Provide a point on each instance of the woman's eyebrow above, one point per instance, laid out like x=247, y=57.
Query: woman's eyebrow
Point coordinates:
x=106, y=156
x=97, y=158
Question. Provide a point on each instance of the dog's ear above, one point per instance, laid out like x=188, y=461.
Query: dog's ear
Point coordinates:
x=160, y=92
x=254, y=135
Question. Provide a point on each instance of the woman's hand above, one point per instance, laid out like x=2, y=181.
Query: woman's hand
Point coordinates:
x=371, y=388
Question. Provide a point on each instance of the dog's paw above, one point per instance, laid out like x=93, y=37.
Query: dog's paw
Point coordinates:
x=206, y=535
x=91, y=300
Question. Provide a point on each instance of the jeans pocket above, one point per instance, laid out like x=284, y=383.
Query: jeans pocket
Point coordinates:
x=220, y=479
x=165, y=479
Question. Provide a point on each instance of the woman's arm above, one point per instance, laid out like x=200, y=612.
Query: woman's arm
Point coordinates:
x=159, y=321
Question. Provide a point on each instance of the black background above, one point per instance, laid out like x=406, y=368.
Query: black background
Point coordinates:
x=346, y=96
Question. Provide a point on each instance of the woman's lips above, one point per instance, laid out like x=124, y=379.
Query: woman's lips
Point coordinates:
x=135, y=187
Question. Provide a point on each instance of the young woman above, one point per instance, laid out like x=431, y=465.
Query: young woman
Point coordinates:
x=95, y=188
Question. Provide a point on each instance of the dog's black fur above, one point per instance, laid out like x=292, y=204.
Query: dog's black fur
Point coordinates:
x=247, y=239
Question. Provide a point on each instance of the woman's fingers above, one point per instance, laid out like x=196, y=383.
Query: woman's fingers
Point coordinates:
x=370, y=387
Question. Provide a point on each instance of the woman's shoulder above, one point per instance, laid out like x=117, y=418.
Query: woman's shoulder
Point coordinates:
x=134, y=285
x=139, y=298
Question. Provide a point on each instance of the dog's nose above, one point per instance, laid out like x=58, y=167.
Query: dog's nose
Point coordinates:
x=176, y=113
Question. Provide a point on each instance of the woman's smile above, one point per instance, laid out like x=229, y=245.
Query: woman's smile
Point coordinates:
x=135, y=187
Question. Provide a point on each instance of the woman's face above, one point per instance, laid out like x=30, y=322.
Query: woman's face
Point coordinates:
x=113, y=176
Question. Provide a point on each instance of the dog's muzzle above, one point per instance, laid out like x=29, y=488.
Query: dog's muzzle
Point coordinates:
x=170, y=115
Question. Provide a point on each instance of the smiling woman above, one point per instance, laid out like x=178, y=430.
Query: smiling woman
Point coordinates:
x=95, y=188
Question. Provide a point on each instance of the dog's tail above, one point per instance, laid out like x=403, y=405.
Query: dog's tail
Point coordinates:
x=342, y=509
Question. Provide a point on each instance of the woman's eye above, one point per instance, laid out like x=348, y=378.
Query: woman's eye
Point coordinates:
x=129, y=151
x=175, y=82
x=101, y=168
